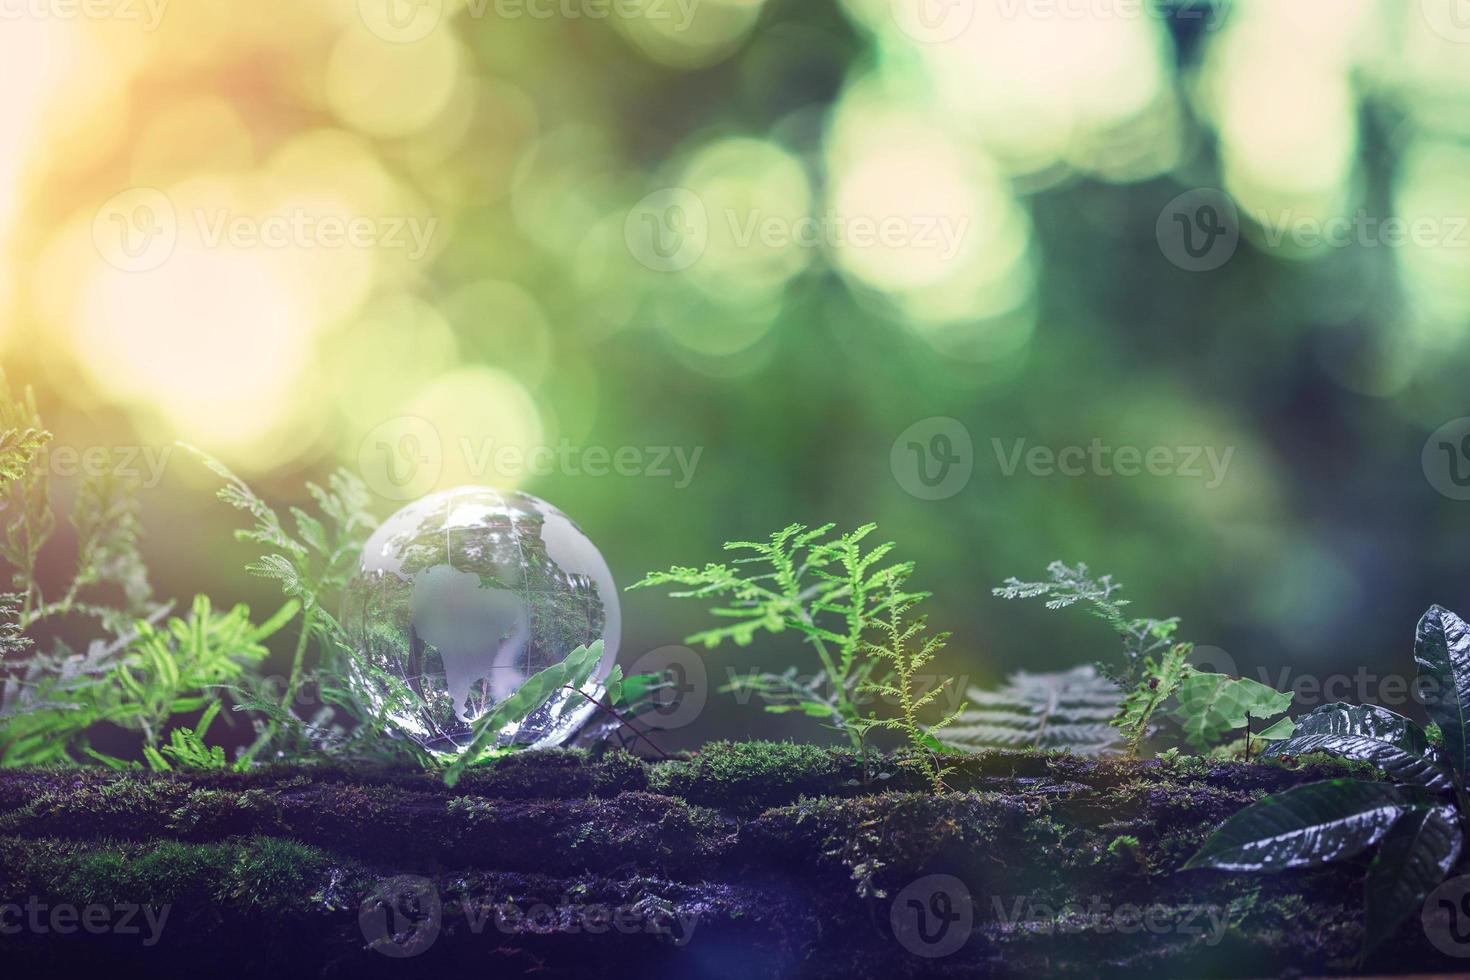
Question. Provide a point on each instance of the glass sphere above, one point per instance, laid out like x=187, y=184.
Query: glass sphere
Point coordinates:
x=459, y=597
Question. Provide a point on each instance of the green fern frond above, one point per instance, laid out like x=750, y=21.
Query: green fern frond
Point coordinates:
x=907, y=647
x=1064, y=710
x=311, y=566
x=1159, y=680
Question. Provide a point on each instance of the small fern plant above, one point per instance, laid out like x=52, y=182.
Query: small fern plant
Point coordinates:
x=906, y=647
x=1156, y=668
x=831, y=590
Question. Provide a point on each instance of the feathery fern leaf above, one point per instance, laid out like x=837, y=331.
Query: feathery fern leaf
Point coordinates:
x=830, y=591
x=1159, y=680
x=1062, y=710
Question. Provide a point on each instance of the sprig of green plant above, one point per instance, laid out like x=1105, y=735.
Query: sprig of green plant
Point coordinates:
x=1067, y=585
x=1157, y=680
x=105, y=518
x=906, y=648
x=829, y=590
x=311, y=562
x=1155, y=668
x=139, y=682
x=186, y=746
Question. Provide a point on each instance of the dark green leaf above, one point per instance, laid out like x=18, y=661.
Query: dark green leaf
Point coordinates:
x=1442, y=651
x=1416, y=854
x=1369, y=733
x=1303, y=826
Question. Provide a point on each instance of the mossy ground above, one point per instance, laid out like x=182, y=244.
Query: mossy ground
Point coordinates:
x=744, y=860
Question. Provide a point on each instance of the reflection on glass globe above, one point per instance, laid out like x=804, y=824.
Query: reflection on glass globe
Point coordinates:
x=459, y=598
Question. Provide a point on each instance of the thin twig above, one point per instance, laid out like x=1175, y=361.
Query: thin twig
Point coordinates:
x=621, y=720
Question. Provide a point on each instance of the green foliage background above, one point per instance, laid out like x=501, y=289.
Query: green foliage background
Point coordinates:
x=1324, y=370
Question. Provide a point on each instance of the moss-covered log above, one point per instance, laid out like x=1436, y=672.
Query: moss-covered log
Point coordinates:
x=747, y=860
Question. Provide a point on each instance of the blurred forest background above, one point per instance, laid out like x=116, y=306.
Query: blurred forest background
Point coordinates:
x=400, y=235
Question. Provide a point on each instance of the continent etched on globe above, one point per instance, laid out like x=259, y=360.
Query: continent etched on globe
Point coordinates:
x=461, y=596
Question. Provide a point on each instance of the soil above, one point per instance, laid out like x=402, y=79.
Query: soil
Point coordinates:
x=745, y=860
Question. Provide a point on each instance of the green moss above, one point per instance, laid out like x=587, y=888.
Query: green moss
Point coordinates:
x=1324, y=765
x=750, y=776
x=782, y=848
x=257, y=873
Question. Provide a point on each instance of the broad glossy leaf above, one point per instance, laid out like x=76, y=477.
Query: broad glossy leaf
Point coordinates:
x=534, y=691
x=1341, y=718
x=1398, y=765
x=1442, y=651
x=1415, y=855
x=1369, y=733
x=1211, y=705
x=1304, y=826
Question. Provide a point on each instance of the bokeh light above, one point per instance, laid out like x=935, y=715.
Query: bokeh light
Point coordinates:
x=279, y=231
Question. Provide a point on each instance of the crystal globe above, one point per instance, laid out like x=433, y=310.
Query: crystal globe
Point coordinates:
x=459, y=597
